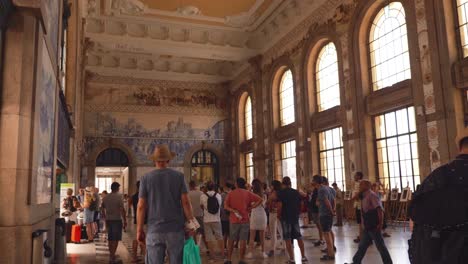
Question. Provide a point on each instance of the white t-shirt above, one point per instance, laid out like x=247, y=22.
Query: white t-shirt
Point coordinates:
x=207, y=217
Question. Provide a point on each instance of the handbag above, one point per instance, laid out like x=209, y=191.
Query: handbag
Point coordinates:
x=191, y=252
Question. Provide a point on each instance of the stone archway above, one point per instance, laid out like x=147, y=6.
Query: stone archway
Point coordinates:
x=89, y=168
x=212, y=148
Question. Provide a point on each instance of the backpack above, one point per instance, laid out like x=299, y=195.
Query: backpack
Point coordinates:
x=439, y=209
x=212, y=204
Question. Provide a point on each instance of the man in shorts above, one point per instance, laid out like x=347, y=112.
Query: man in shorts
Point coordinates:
x=212, y=221
x=358, y=176
x=289, y=201
x=326, y=204
x=114, y=210
x=239, y=202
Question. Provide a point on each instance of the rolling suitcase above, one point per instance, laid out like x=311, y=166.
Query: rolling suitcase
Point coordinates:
x=84, y=234
x=68, y=229
x=76, y=234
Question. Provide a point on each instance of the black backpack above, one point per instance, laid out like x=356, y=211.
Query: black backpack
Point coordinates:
x=439, y=209
x=212, y=204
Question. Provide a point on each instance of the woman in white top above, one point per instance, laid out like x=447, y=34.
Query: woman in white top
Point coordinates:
x=258, y=220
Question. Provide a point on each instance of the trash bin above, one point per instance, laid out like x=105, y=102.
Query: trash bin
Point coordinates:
x=60, y=243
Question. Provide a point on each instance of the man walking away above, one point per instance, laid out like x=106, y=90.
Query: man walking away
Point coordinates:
x=239, y=203
x=358, y=176
x=135, y=243
x=164, y=194
x=326, y=204
x=114, y=210
x=372, y=218
x=211, y=204
x=194, y=196
x=439, y=210
x=339, y=205
x=288, y=212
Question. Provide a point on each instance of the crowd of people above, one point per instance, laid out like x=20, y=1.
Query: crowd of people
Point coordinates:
x=240, y=215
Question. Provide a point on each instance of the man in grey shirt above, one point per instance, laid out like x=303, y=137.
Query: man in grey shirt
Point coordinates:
x=163, y=194
x=114, y=211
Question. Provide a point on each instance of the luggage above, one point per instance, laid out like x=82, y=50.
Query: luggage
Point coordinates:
x=84, y=234
x=76, y=234
x=68, y=230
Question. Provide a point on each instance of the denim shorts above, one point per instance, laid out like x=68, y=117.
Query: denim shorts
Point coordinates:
x=158, y=243
x=114, y=230
x=291, y=230
x=326, y=222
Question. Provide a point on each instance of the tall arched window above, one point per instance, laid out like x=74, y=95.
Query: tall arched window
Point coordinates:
x=462, y=10
x=388, y=43
x=248, y=119
x=286, y=99
x=328, y=83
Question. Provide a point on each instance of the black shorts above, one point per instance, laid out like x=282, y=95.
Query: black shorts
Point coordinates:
x=291, y=230
x=326, y=222
x=358, y=216
x=114, y=230
x=225, y=227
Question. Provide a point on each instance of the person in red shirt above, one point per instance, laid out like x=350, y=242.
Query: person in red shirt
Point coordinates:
x=239, y=203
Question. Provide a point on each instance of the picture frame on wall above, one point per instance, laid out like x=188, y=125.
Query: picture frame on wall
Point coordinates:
x=45, y=97
x=347, y=195
x=394, y=194
x=405, y=194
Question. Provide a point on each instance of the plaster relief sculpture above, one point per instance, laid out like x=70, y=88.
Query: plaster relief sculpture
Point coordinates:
x=425, y=56
x=244, y=19
x=189, y=11
x=129, y=7
x=433, y=140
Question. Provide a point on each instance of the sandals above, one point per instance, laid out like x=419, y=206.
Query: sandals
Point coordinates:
x=327, y=258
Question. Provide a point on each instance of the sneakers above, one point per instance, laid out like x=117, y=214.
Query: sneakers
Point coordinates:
x=264, y=255
x=304, y=260
x=327, y=258
x=319, y=243
x=249, y=255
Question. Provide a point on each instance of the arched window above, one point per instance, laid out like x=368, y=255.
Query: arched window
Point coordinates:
x=328, y=83
x=286, y=99
x=462, y=10
x=248, y=119
x=388, y=43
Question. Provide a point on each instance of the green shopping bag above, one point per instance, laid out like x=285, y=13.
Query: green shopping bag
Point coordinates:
x=191, y=252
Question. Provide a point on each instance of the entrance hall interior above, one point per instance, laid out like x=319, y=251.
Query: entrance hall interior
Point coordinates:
x=256, y=89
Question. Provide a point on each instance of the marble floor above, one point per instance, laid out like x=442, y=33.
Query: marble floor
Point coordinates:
x=397, y=245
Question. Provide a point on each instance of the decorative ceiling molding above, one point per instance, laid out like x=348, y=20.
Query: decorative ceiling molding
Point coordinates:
x=159, y=48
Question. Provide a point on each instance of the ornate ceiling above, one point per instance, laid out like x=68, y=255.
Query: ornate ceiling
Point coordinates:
x=189, y=40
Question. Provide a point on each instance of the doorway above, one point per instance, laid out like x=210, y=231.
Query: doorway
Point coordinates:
x=112, y=166
x=204, y=167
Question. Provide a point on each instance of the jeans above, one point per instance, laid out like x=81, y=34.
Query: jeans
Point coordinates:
x=366, y=238
x=158, y=243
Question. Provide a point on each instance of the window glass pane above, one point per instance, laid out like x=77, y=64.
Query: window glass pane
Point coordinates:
x=248, y=119
x=331, y=156
x=388, y=44
x=397, y=153
x=327, y=78
x=286, y=99
x=462, y=7
x=288, y=161
x=249, y=167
